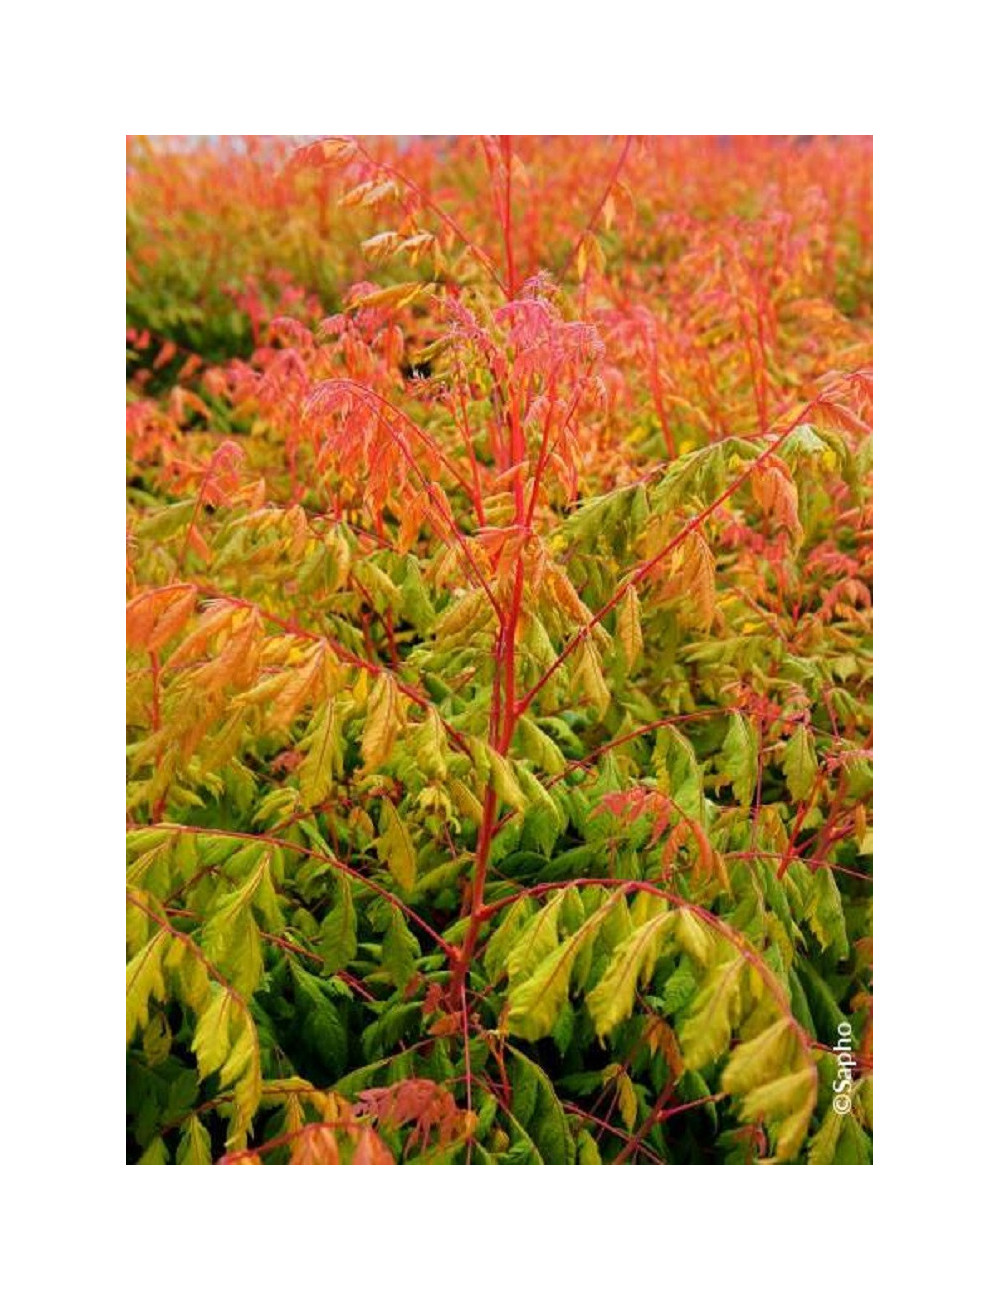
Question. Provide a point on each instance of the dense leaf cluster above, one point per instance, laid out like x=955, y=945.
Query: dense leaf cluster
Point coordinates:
x=499, y=651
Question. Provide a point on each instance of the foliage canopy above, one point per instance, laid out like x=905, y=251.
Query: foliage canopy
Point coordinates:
x=499, y=651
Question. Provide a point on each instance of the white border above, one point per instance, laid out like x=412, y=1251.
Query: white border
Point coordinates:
x=451, y=68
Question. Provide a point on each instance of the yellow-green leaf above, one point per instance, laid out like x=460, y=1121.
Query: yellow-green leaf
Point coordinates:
x=630, y=627
x=143, y=980
x=758, y=1060
x=739, y=758
x=324, y=756
x=195, y=1146
x=381, y=723
x=611, y=1001
x=704, y=1036
x=211, y=1036
x=693, y=936
x=535, y=1003
x=504, y=780
x=539, y=937
x=338, y=936
x=799, y=764
x=395, y=847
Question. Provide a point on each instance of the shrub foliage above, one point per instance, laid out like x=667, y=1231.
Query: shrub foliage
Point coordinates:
x=499, y=651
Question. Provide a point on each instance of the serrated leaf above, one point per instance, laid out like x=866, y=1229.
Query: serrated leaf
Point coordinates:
x=504, y=780
x=630, y=627
x=537, y=999
x=231, y=938
x=799, y=763
x=211, y=1036
x=539, y=747
x=381, y=723
x=679, y=989
x=739, y=758
x=338, y=934
x=704, y=1035
x=854, y=1146
x=628, y=1102
x=790, y=1100
x=144, y=980
x=399, y=950
x=321, y=1025
x=759, y=1059
x=156, y=1153
x=539, y=937
x=823, y=1146
x=611, y=1001
x=537, y=1108
x=535, y=1002
x=692, y=936
x=590, y=675
x=195, y=1146
x=679, y=772
x=505, y=937
x=587, y=1150
x=324, y=756
x=825, y=913
x=395, y=847
x=430, y=747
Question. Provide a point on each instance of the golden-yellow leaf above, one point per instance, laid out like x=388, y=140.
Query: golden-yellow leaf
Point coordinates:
x=397, y=295
x=381, y=723
x=630, y=627
x=590, y=675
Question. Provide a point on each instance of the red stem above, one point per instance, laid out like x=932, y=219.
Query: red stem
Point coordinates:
x=508, y=247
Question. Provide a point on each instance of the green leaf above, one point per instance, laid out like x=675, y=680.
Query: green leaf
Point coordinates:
x=322, y=1029
x=704, y=1036
x=854, y=1146
x=543, y=819
x=430, y=747
x=211, y=1036
x=156, y=1153
x=338, y=935
x=537, y=1109
x=539, y=937
x=323, y=745
x=758, y=1060
x=242, y=1069
x=693, y=936
x=536, y=1001
x=823, y=1147
x=399, y=950
x=195, y=1146
x=506, y=936
x=739, y=758
x=539, y=747
x=679, y=989
x=791, y=1100
x=679, y=772
x=504, y=780
x=143, y=980
x=231, y=939
x=417, y=607
x=611, y=1001
x=395, y=847
x=825, y=914
x=587, y=1150
x=538, y=797
x=799, y=764
x=157, y=527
